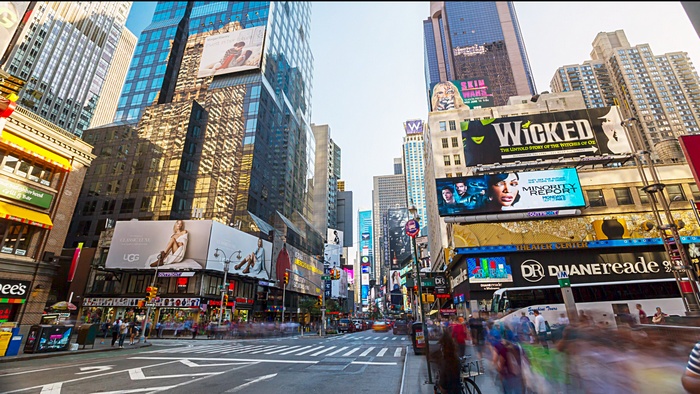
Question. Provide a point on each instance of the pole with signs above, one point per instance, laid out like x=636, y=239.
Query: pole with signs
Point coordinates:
x=567, y=295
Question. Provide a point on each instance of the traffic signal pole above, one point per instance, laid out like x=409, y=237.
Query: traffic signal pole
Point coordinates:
x=142, y=339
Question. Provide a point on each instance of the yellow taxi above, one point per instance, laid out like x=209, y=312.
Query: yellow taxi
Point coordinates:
x=380, y=326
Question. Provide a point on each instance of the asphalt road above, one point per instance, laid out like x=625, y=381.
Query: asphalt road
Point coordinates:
x=362, y=362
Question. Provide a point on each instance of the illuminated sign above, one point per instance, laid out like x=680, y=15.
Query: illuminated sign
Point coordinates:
x=587, y=132
x=461, y=94
x=411, y=127
x=511, y=192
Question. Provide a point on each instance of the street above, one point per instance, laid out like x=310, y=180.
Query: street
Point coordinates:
x=360, y=362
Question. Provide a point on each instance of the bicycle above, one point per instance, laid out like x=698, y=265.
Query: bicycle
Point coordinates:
x=469, y=371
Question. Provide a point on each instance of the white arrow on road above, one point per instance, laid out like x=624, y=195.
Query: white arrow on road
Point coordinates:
x=93, y=369
x=193, y=364
x=244, y=385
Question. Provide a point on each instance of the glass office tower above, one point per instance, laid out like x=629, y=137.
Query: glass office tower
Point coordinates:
x=477, y=39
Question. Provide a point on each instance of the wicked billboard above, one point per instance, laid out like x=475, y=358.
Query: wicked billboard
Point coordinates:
x=589, y=132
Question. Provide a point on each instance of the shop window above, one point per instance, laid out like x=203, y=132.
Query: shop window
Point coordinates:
x=10, y=163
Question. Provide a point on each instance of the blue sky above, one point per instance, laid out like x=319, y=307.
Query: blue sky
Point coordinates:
x=368, y=64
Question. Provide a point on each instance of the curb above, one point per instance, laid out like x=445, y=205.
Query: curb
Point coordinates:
x=26, y=357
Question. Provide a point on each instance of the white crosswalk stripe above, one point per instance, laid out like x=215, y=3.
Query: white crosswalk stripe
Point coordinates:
x=337, y=351
x=283, y=349
x=286, y=350
x=351, y=352
x=309, y=351
x=397, y=353
x=381, y=352
x=366, y=352
x=322, y=351
x=295, y=350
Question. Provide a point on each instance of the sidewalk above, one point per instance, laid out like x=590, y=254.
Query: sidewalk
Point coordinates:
x=416, y=374
x=106, y=347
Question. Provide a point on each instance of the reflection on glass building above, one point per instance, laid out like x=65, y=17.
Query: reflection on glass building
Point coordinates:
x=211, y=147
x=479, y=39
x=64, y=54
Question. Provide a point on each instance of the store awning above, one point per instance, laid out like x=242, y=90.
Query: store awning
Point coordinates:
x=23, y=215
x=35, y=150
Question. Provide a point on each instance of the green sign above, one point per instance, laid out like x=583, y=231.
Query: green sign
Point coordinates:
x=427, y=282
x=325, y=277
x=565, y=282
x=25, y=194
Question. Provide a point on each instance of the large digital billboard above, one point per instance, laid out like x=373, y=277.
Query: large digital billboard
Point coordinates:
x=588, y=132
x=467, y=93
x=514, y=191
x=399, y=242
x=232, y=52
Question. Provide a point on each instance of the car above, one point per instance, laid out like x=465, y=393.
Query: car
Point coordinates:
x=344, y=325
x=400, y=327
x=358, y=325
x=380, y=326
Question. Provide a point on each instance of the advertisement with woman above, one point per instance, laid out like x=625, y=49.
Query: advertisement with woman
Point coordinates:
x=231, y=52
x=255, y=253
x=513, y=191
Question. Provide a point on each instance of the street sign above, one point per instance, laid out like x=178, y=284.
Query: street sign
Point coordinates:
x=412, y=228
x=325, y=277
x=563, y=279
x=427, y=282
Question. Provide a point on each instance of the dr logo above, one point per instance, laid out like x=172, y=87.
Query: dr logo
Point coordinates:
x=532, y=270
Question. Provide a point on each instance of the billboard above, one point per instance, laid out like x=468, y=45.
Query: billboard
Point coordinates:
x=690, y=144
x=256, y=253
x=395, y=281
x=399, y=242
x=413, y=127
x=350, y=272
x=461, y=94
x=302, y=265
x=12, y=15
x=589, y=132
x=232, y=52
x=335, y=237
x=488, y=273
x=514, y=191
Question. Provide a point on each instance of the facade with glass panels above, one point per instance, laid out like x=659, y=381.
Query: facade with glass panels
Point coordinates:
x=479, y=39
x=223, y=146
x=414, y=163
x=389, y=193
x=64, y=54
x=327, y=174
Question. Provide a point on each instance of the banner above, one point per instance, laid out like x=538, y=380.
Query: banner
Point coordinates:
x=399, y=242
x=469, y=93
x=587, y=132
x=515, y=191
x=232, y=52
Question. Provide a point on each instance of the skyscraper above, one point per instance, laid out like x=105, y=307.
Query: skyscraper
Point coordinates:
x=326, y=175
x=222, y=146
x=389, y=192
x=414, y=163
x=366, y=254
x=591, y=78
x=478, y=39
x=64, y=53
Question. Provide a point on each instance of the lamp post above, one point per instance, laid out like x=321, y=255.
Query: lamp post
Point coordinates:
x=142, y=339
x=412, y=230
x=224, y=287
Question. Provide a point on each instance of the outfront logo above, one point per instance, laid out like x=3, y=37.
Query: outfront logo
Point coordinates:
x=131, y=257
x=532, y=270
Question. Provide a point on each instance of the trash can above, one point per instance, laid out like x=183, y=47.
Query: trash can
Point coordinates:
x=87, y=334
x=418, y=338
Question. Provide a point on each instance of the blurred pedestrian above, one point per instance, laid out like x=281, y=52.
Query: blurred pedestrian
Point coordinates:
x=691, y=375
x=105, y=329
x=458, y=331
x=447, y=360
x=123, y=332
x=642, y=315
x=507, y=357
x=563, y=320
x=133, y=331
x=195, y=328
x=541, y=329
x=659, y=317
x=115, y=330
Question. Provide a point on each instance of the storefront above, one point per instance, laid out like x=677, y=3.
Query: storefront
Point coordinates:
x=13, y=294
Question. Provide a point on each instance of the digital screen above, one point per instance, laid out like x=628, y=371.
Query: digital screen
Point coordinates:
x=509, y=192
x=488, y=270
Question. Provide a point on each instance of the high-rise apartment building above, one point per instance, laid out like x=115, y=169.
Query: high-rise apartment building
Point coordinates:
x=660, y=91
x=591, y=78
x=389, y=192
x=326, y=175
x=478, y=39
x=225, y=146
x=344, y=222
x=414, y=164
x=114, y=81
x=64, y=53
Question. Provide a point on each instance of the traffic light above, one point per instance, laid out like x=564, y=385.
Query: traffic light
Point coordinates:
x=141, y=303
x=331, y=273
x=336, y=274
x=320, y=300
x=151, y=293
x=286, y=278
x=428, y=298
x=225, y=301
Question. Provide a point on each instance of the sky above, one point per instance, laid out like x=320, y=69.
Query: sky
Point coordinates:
x=369, y=76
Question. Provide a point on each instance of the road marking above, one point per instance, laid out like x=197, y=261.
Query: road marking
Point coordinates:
x=337, y=351
x=265, y=349
x=310, y=350
x=260, y=379
x=53, y=388
x=385, y=338
x=322, y=351
x=137, y=374
x=351, y=352
x=283, y=349
x=193, y=365
x=381, y=352
x=252, y=360
x=39, y=370
x=397, y=353
x=295, y=350
x=371, y=363
x=394, y=338
x=141, y=390
x=96, y=368
x=366, y=352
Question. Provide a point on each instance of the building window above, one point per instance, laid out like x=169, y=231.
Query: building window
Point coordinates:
x=623, y=196
x=455, y=142
x=445, y=144
x=458, y=160
x=694, y=191
x=643, y=196
x=17, y=237
x=675, y=193
x=447, y=160
x=453, y=126
x=443, y=126
x=595, y=198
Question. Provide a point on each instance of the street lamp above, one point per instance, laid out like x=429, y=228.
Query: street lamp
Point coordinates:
x=416, y=269
x=224, y=287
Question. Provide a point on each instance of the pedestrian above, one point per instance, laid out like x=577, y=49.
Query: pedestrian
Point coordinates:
x=115, y=330
x=459, y=334
x=195, y=328
x=541, y=329
x=123, y=332
x=642, y=315
x=691, y=375
x=563, y=320
x=105, y=329
x=133, y=331
x=659, y=317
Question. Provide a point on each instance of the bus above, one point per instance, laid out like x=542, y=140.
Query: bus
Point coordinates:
x=603, y=302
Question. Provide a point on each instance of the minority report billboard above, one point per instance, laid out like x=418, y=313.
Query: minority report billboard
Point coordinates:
x=232, y=52
x=461, y=94
x=588, y=132
x=512, y=192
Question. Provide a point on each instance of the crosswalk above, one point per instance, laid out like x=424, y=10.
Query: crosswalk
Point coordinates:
x=352, y=337
x=286, y=350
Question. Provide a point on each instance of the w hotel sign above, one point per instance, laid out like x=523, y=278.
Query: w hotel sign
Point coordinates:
x=413, y=127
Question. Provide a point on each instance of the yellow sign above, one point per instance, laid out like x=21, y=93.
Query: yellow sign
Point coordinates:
x=308, y=266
